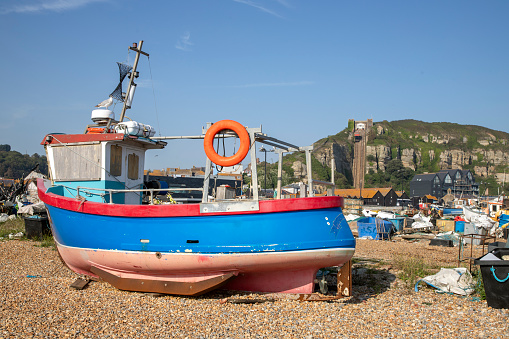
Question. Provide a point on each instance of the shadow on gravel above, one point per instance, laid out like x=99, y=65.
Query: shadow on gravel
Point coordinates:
x=370, y=277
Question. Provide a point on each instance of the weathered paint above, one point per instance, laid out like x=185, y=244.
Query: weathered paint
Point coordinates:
x=290, y=272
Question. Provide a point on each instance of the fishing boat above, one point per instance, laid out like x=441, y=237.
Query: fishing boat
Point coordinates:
x=106, y=223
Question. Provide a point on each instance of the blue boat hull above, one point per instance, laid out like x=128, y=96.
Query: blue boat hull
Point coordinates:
x=278, y=248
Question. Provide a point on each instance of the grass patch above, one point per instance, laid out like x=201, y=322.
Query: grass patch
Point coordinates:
x=12, y=226
x=46, y=241
x=479, y=284
x=413, y=269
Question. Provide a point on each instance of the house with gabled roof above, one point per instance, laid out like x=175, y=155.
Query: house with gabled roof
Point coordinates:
x=369, y=196
x=390, y=196
x=423, y=184
x=461, y=182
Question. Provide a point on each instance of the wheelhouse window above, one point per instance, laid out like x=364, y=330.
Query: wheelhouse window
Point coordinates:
x=116, y=160
x=133, y=165
x=81, y=162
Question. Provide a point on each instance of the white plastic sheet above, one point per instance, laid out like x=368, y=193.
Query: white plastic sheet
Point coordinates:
x=451, y=280
x=386, y=215
x=33, y=208
x=420, y=221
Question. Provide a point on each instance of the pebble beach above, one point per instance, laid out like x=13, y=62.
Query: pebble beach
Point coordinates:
x=36, y=301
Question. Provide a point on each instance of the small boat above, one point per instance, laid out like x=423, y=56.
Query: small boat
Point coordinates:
x=106, y=224
x=471, y=213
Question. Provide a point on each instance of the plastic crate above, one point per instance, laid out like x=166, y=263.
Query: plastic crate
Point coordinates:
x=495, y=276
x=398, y=223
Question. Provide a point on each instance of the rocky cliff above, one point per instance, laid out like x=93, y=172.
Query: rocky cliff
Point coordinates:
x=423, y=147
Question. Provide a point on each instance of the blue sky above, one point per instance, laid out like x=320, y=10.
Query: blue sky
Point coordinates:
x=299, y=68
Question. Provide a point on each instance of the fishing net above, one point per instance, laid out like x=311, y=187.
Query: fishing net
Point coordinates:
x=124, y=69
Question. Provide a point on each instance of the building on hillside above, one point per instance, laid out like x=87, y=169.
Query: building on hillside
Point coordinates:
x=423, y=184
x=438, y=184
x=462, y=182
x=445, y=181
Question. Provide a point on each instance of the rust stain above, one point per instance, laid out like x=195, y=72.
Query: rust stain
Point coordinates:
x=203, y=258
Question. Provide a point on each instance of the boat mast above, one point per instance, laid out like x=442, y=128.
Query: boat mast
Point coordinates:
x=133, y=75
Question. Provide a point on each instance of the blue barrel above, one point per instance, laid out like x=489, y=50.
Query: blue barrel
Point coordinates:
x=459, y=227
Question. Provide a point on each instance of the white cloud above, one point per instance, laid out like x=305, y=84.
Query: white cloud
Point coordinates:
x=184, y=43
x=260, y=7
x=47, y=5
x=284, y=3
x=277, y=84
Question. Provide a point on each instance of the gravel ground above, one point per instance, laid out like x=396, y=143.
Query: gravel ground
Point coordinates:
x=36, y=301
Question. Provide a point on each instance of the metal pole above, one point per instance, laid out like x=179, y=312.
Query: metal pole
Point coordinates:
x=279, y=173
x=308, y=150
x=265, y=179
x=254, y=174
x=206, y=179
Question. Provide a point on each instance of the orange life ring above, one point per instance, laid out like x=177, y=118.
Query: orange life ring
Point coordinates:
x=208, y=143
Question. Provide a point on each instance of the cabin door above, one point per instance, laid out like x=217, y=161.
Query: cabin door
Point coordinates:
x=133, y=161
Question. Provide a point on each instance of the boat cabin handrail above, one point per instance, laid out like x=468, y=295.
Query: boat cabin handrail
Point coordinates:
x=111, y=191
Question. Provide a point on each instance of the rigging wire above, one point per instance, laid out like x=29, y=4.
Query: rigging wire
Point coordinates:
x=154, y=93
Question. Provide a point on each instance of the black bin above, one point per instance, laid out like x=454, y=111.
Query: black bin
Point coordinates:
x=495, y=276
x=495, y=245
x=36, y=226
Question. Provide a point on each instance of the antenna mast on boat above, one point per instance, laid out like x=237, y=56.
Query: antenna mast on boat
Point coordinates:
x=137, y=48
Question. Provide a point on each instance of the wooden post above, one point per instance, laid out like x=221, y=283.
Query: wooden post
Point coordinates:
x=137, y=49
x=344, y=279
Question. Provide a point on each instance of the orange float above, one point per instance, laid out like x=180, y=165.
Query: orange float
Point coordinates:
x=208, y=143
x=95, y=130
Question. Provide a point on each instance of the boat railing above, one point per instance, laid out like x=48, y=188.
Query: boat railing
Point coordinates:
x=111, y=191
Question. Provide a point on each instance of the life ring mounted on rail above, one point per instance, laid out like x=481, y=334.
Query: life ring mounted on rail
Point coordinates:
x=208, y=143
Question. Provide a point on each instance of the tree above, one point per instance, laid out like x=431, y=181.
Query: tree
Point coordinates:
x=15, y=165
x=5, y=148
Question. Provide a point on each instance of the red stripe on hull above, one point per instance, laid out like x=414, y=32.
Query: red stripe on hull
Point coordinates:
x=266, y=206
